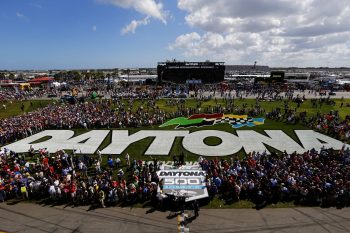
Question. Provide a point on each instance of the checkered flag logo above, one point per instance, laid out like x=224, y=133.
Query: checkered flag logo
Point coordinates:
x=233, y=121
x=237, y=122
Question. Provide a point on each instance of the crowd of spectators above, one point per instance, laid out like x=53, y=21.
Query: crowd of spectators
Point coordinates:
x=99, y=90
x=330, y=123
x=12, y=95
x=80, y=180
x=314, y=178
x=81, y=115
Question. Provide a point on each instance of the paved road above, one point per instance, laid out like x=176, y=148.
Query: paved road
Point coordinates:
x=307, y=94
x=25, y=217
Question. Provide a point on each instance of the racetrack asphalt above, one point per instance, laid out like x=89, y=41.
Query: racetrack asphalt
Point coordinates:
x=30, y=217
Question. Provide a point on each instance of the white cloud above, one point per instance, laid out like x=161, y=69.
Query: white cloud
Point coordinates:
x=37, y=5
x=20, y=15
x=186, y=40
x=150, y=8
x=276, y=32
x=147, y=7
x=131, y=27
x=94, y=28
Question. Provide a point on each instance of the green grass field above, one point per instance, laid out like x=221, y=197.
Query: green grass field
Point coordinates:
x=137, y=149
x=13, y=108
x=268, y=106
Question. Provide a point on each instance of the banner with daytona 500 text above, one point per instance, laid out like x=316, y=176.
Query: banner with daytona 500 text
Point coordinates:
x=184, y=181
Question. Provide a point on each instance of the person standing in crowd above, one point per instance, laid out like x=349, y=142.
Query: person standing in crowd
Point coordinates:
x=101, y=197
x=195, y=206
x=99, y=154
x=182, y=159
x=24, y=191
x=117, y=162
x=2, y=192
x=175, y=161
x=110, y=162
x=127, y=159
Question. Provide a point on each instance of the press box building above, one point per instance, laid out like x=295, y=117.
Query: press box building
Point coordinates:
x=182, y=72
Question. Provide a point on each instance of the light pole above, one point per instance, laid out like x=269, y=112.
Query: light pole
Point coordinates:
x=128, y=72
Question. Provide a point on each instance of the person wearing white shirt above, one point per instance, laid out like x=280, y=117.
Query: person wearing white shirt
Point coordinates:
x=127, y=159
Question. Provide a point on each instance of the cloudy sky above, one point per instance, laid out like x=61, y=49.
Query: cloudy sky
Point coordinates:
x=48, y=34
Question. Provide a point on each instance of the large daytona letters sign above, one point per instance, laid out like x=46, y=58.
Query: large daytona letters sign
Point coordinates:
x=249, y=140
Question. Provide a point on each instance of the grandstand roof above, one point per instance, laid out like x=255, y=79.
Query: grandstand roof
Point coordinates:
x=41, y=80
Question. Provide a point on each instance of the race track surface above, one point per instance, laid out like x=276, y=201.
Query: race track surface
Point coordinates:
x=26, y=217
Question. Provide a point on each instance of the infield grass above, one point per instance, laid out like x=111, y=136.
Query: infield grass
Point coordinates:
x=13, y=108
x=137, y=149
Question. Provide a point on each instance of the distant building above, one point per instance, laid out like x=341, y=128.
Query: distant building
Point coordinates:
x=137, y=79
x=290, y=77
x=297, y=77
x=46, y=82
x=246, y=68
x=180, y=72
